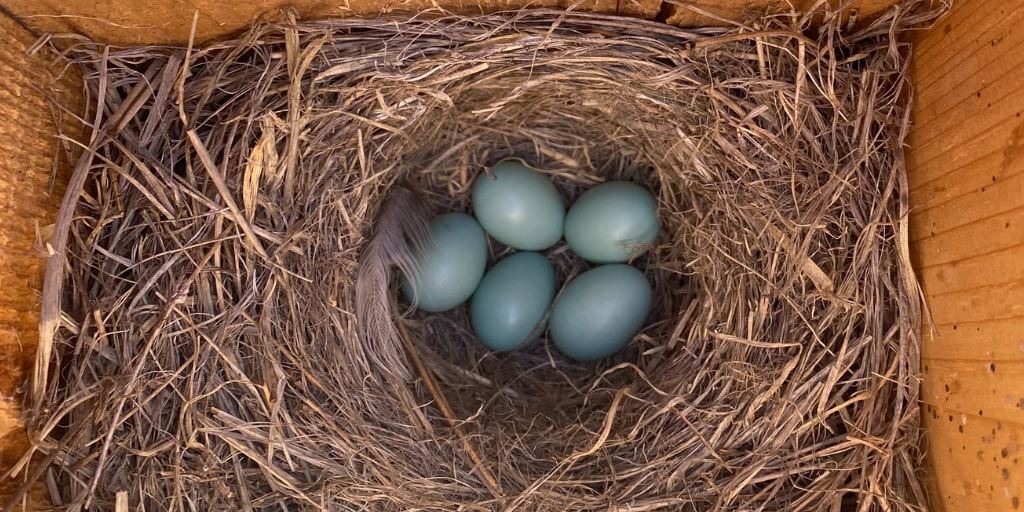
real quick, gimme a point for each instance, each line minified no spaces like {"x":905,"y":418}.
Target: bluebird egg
{"x":508,"y":306}
{"x":600,"y":311}
{"x":519,"y":206}
{"x":451,"y":268}
{"x":612,"y":222}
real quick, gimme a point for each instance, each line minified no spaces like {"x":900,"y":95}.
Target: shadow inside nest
{"x":530,"y":392}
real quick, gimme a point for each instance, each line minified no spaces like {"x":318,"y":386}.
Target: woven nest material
{"x":205,"y":351}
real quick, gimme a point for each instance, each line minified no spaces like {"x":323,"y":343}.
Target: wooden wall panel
{"x":133,"y":22}
{"x":28,"y":147}
{"x":966,"y":164}
{"x":129,"y":22}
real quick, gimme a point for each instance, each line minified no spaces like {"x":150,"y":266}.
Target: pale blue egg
{"x":511,"y":301}
{"x":451,"y":268}
{"x":600,"y":311}
{"x":612,"y":222}
{"x":519,"y":206}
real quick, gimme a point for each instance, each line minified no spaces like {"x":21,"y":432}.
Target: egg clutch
{"x":596,"y":314}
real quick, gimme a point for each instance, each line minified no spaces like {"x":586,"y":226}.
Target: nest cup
{"x":211,"y":355}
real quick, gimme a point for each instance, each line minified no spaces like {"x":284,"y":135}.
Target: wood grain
{"x":967,"y":179}
{"x":966,"y":166}
{"x":28,"y":147}
{"x":130,"y":22}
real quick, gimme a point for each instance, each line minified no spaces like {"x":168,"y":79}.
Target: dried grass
{"x":204,"y":350}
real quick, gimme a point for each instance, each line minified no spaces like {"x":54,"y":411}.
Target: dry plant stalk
{"x":207,"y":353}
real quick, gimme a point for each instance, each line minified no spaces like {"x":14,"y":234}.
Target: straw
{"x":207,"y":353}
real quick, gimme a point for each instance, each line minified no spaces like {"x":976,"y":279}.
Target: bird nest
{"x":201,"y":345}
